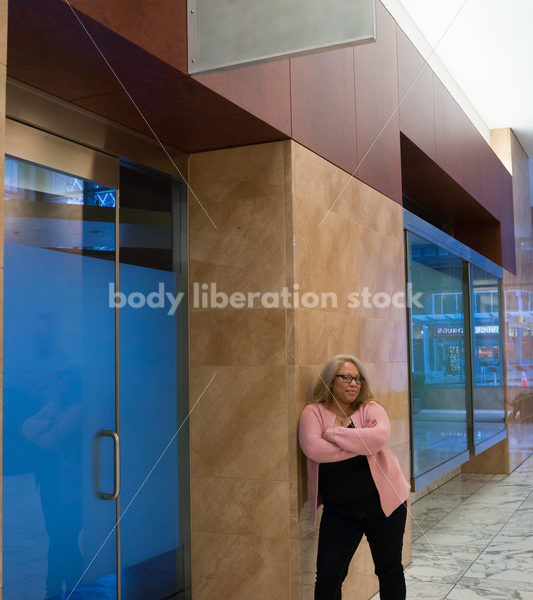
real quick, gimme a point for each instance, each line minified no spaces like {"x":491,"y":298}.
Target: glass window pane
{"x":437,"y":355}
{"x":487,"y":363}
{"x":150,"y":352}
{"x":58,"y":386}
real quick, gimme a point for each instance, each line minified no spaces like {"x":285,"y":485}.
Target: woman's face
{"x":345,"y":393}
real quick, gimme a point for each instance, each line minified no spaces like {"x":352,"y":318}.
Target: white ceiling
{"x":487,"y":47}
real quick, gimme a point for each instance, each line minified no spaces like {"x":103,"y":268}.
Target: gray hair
{"x":322,"y":390}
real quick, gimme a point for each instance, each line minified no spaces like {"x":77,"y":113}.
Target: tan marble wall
{"x":347,"y":236}
{"x":3,"y":71}
{"x":251,"y":537}
{"x":239,"y":427}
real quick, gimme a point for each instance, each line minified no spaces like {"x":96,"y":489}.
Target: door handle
{"x":96,"y":474}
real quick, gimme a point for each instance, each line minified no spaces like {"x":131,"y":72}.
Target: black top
{"x":347,"y":480}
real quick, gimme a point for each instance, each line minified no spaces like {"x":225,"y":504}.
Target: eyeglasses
{"x":348,"y":378}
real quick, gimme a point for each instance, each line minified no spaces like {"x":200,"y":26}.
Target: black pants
{"x":341,"y":529}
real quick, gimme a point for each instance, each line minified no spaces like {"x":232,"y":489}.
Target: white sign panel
{"x":227,"y":33}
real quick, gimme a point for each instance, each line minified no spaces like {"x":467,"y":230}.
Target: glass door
{"x":152,"y":321}
{"x":59,"y":507}
{"x":95,"y":448}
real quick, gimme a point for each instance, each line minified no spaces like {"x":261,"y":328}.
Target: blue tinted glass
{"x":45,"y":185}
{"x":151,"y":540}
{"x":58,"y":389}
{"x":437,"y":351}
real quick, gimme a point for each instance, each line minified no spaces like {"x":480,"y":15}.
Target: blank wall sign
{"x":227,"y":33}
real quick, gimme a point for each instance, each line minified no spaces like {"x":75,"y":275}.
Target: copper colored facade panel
{"x":323,"y":105}
{"x":263,"y":90}
{"x":449,"y":132}
{"x":158,"y":26}
{"x":381,"y":168}
{"x":52,"y":52}
{"x":417,"y":105}
{"x":185,"y":114}
{"x":376,"y":100}
{"x":459,"y":145}
{"x":485,"y":238}
{"x":497,"y":187}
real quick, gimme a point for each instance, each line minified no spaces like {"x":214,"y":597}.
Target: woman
{"x":351,"y":470}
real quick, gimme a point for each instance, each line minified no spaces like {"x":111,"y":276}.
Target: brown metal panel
{"x":497,"y":194}
{"x":376,"y":95}
{"x":459,"y":146}
{"x":158,"y":26}
{"x":184,"y":114}
{"x":263,"y":90}
{"x":49,"y":49}
{"x":417,"y":107}
{"x":448,"y":130}
{"x":430,"y":186}
{"x":485,"y":238}
{"x":508,"y":236}
{"x":68,"y":121}
{"x":493,"y":176}
{"x":323,"y":105}
{"x":471,"y":151}
{"x":484,"y":223}
{"x":381,"y":169}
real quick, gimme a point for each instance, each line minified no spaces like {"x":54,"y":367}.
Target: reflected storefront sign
{"x":478,"y":330}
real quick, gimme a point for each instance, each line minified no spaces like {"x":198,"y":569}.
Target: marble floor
{"x":473,"y":539}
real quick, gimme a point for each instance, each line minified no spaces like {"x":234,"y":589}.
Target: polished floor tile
{"x":473,"y":539}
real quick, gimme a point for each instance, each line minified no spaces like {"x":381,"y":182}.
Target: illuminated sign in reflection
{"x":478,"y":330}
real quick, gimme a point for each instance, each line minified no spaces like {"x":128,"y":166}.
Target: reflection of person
{"x":448,"y":368}
{"x":344,"y":435}
{"x":55,"y":432}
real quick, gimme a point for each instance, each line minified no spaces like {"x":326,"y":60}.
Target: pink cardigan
{"x":322,"y":442}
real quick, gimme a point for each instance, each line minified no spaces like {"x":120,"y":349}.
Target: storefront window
{"x":456,"y":357}
{"x":439,"y":420}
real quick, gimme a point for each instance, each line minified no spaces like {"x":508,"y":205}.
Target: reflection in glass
{"x":439,"y":424}
{"x":58,"y":384}
{"x":488,"y":392}
{"x":151,"y":541}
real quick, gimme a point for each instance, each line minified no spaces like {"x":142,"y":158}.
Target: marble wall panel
{"x":329,"y":256}
{"x":284,"y":217}
{"x":251,"y":506}
{"x":240,"y":567}
{"x":239,"y":436}
{"x":247,"y":406}
{"x":346,"y":235}
{"x":238,"y":214}
{"x":261,"y":340}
